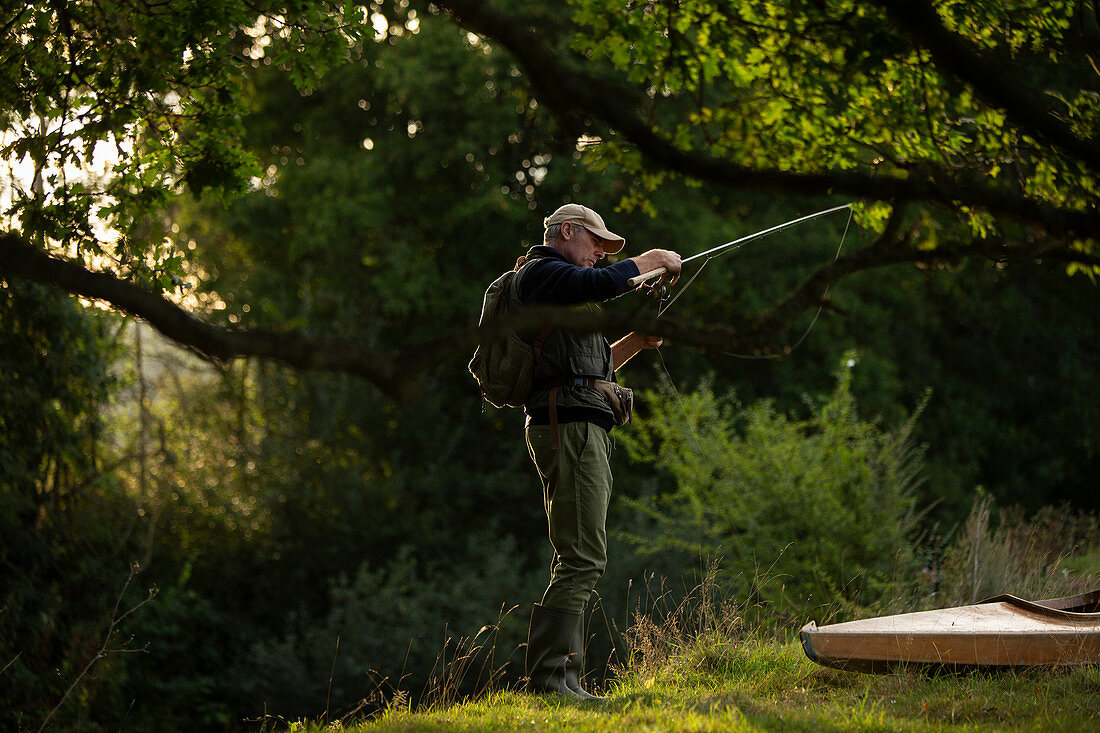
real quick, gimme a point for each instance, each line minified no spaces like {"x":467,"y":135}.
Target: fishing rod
{"x":639,"y":279}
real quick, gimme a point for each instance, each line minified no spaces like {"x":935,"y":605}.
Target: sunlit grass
{"x":771,"y":685}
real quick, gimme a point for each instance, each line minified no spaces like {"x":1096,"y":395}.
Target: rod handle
{"x":639,"y":279}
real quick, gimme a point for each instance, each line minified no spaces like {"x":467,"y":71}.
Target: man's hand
{"x":658,"y":258}
{"x":625,"y":348}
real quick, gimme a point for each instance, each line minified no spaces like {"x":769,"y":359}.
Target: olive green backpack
{"x":505,"y":368}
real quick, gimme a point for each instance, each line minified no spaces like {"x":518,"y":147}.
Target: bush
{"x":803,"y":513}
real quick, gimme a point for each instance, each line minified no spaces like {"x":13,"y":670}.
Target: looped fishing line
{"x":683,"y":408}
{"x":813,"y":322}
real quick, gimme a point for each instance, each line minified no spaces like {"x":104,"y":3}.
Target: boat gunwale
{"x":925,"y":635}
{"x":1054,"y":607}
{"x":1059,"y":624}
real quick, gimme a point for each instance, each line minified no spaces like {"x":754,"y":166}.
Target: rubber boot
{"x":554,"y":653}
{"x":573,"y":676}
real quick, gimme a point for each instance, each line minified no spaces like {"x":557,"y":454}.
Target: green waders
{"x":576,"y":483}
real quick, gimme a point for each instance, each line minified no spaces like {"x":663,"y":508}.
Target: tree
{"x":967,"y":129}
{"x":884,"y":101}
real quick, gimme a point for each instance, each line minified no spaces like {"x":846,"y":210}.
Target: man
{"x":568,"y":421}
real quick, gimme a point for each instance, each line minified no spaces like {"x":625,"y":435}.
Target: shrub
{"x":802,"y":512}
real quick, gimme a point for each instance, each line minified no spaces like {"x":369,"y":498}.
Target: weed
{"x":448,"y":678}
{"x":703,"y":618}
{"x":107,"y":647}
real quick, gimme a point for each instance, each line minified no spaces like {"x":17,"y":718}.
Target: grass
{"x":771,"y":685}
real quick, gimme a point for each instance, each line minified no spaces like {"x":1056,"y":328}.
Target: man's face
{"x":580,"y":246}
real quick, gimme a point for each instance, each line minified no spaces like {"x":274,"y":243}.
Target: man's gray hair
{"x":552,"y":233}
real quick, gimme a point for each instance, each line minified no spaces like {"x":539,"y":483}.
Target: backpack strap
{"x":536,"y":346}
{"x":555,"y":381}
{"x":550,"y":377}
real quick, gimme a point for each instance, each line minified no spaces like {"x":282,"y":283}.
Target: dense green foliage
{"x":803,"y":513}
{"x":145,"y":101}
{"x":65,"y":524}
{"x":847,"y":86}
{"x":308,"y":536}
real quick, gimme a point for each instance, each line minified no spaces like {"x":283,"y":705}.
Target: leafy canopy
{"x":111,"y":110}
{"x":985,"y":110}
{"x":875,"y":89}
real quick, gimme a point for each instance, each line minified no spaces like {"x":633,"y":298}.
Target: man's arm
{"x":629,"y":345}
{"x":555,"y":281}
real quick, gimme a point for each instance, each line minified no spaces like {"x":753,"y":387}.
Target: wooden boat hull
{"x":1000,"y":632}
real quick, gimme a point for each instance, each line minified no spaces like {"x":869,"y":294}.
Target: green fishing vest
{"x":569,"y":355}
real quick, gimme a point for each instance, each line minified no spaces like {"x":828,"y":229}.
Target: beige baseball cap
{"x":590,"y":220}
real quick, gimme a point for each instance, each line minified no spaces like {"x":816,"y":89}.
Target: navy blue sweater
{"x":557,"y":281}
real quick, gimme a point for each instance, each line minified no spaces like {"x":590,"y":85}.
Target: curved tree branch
{"x":573,"y":93}
{"x":395,"y":372}
{"x":392,"y":373}
{"x":887,"y":250}
{"x":21,"y":259}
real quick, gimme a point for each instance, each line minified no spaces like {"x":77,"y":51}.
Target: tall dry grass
{"x":668,"y":628}
{"x":450,"y":681}
{"x":1054,"y":553}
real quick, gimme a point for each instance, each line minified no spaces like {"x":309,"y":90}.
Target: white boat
{"x":1000,"y":632}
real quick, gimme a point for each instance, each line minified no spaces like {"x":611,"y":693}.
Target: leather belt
{"x":556,"y":383}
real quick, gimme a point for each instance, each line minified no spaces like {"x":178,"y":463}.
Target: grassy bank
{"x":762,"y":685}
{"x":706,"y":662}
